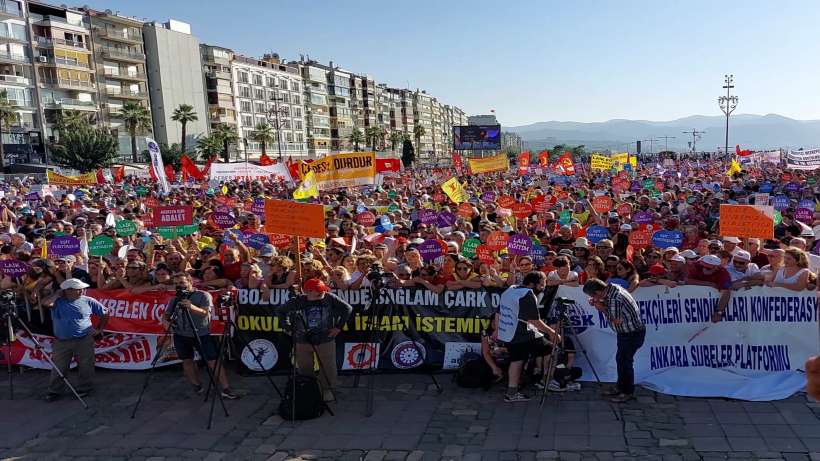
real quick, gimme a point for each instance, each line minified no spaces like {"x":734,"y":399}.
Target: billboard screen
{"x":477,"y":137}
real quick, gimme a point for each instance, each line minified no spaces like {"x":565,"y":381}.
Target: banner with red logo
{"x":564,"y":165}
{"x":388,"y":165}
{"x":544,"y":159}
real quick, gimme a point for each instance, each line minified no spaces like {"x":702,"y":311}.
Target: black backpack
{"x":310,"y":403}
{"x":474,"y":373}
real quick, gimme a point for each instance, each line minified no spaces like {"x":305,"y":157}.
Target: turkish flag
{"x":206,"y":170}
{"x":294,"y":170}
{"x":457,"y":163}
{"x":264,"y":160}
{"x":189,"y":169}
{"x":387,"y":164}
{"x":100,"y":177}
{"x":742,"y":153}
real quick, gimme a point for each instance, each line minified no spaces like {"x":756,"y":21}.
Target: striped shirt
{"x":621,"y":305}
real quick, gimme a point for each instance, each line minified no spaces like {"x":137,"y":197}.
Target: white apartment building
{"x":269,"y":92}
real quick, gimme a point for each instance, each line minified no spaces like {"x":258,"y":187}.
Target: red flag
{"x":457,"y":163}
{"x":152,"y":172}
{"x":523,"y":162}
{"x":169,"y":173}
{"x":118,"y":172}
{"x":564,"y":164}
{"x":742,"y":153}
{"x":206,"y":170}
{"x":387,"y":164}
{"x":100,"y":177}
{"x":189,"y":168}
{"x":264,"y":160}
{"x":544,"y":159}
{"x":294,"y":170}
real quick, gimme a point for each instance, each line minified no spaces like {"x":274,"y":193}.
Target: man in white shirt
{"x":814,"y":260}
{"x":743,"y":272}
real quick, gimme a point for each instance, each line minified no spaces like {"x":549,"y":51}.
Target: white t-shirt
{"x":553,"y":276}
{"x":736,"y":275}
{"x":814,"y":262}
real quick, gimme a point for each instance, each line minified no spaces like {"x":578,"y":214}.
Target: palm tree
{"x":184,"y":114}
{"x":209,"y":146}
{"x":372,"y":135}
{"x":356,"y":137}
{"x":227,"y":135}
{"x":263,"y":134}
{"x":8,"y":116}
{"x":137,"y":119}
{"x":395,"y":138}
{"x":71,"y":120}
{"x":418,"y":132}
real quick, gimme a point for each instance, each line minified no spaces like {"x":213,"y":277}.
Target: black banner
{"x":405,"y":329}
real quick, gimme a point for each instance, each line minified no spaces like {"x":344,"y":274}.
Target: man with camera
{"x":189,"y":315}
{"x":316,"y":317}
{"x":74,"y":334}
{"x":624,"y":317}
{"x":522,"y":330}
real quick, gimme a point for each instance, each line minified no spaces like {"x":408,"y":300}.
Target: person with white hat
{"x":74,"y":335}
{"x":708,"y":272}
{"x":744,"y":272}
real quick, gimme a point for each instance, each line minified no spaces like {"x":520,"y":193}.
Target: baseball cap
{"x":73,"y":284}
{"x":712,"y":260}
{"x":743,"y":255}
{"x":267,"y":251}
{"x":626,"y":227}
{"x":315,"y":285}
{"x":731,"y":239}
{"x":678,"y":258}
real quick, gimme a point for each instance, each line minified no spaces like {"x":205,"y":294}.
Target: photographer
{"x":316,"y":317}
{"x":74,"y":335}
{"x":199,"y":304}
{"x":521,"y":329}
{"x":624,"y":317}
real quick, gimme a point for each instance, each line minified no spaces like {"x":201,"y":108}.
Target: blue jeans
{"x":628,"y":345}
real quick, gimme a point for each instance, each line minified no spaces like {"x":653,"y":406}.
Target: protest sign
{"x":61,"y":180}
{"x":664,"y":239}
{"x":602,"y":204}
{"x":342,"y":170}
{"x":600,"y":162}
{"x":126,"y":228}
{"x":13,"y":268}
{"x":519,"y":245}
{"x":239,"y":170}
{"x":745,"y":221}
{"x":597,"y":233}
{"x":294,"y":218}
{"x":468,"y":248}
{"x":803,"y":159}
{"x":101,"y":245}
{"x":177,"y":215}
{"x":64,"y":246}
{"x":492,"y":164}
{"x":454,"y":190}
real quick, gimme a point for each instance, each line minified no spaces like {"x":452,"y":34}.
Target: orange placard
{"x":465,"y":210}
{"x":602,"y":203}
{"x":521,"y":210}
{"x":745,"y":221}
{"x":497,"y":240}
{"x":294,"y":218}
{"x":506,"y":201}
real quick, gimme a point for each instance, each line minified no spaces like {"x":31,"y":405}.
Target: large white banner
{"x":159,"y":166}
{"x":803,"y":159}
{"x":229,"y":171}
{"x":757,"y":352}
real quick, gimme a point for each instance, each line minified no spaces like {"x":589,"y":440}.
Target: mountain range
{"x":750,"y":131}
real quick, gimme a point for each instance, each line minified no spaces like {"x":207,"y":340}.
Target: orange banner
{"x":745,"y":221}
{"x":492,"y":164}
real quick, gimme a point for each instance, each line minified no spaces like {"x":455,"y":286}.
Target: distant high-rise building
{"x":482,"y":120}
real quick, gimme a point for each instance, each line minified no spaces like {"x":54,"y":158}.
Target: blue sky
{"x":539,"y":60}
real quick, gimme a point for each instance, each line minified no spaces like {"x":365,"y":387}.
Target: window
{"x":318,"y":100}
{"x":257,"y":79}
{"x":294,"y":86}
{"x":245,"y":106}
{"x":297,"y":99}
{"x":260,"y":108}
{"x":286,"y":97}
{"x":297,"y":124}
{"x":258,"y":93}
{"x":244,"y":92}
{"x":289,"y":137}
{"x":285,"y":124}
{"x":271,"y":82}
{"x":299,"y":137}
{"x":261,"y":121}
{"x":243,"y":77}
{"x":284,"y":111}
{"x":297,"y":112}
{"x":283,"y":83}
{"x":247,"y":120}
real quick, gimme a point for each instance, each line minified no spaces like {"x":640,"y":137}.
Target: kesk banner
{"x":229,"y":171}
{"x":756,"y":352}
{"x":600,"y":162}
{"x":492,"y":164}
{"x":342,"y":170}
{"x":803,"y":159}
{"x":61,"y":180}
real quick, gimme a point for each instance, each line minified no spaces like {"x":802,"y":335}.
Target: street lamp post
{"x":273,"y":119}
{"x":727,"y":104}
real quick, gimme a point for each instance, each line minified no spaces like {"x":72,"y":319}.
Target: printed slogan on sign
{"x":342,"y":170}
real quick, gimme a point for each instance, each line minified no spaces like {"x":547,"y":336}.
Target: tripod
{"x":231,"y":331}
{"x":375,"y":336}
{"x":563,"y":322}
{"x":10,"y":315}
{"x":161,"y":352}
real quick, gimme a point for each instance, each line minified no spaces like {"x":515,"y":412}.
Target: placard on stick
{"x":294,"y":218}
{"x":745,"y":221}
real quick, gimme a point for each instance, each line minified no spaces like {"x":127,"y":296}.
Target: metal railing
{"x":45,"y":41}
{"x":113,"y":33}
{"x":122,"y":54}
{"x":71,"y":102}
{"x":69,"y":83}
{"x":118,"y":74}
{"x":14,"y":79}
{"x":124,"y":93}
{"x":7,"y":55}
{"x":4,"y":9}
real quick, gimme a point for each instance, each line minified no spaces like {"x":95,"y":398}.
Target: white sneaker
{"x":555,"y":387}
{"x":574,"y":386}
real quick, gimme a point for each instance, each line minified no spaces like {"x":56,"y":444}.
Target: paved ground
{"x":411,"y":422}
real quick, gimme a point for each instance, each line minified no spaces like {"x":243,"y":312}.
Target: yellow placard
{"x":454,"y":190}
{"x":600,"y":162}
{"x":492,"y":164}
{"x":621,"y":159}
{"x":61,"y":180}
{"x":342,"y":170}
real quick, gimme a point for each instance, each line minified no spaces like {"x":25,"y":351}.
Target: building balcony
{"x":70,"y":84}
{"x":15,"y":79}
{"x":122,"y":55}
{"x":45,"y":42}
{"x":60,"y":23}
{"x":71,"y":104}
{"x":223,"y":119}
{"x":63,"y":62}
{"x":6,"y":56}
{"x":7,"y":12}
{"x":125,"y":94}
{"x":130,"y":76}
{"x":218,"y":75}
{"x":118,"y":35}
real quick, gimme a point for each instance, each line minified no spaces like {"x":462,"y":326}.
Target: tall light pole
{"x":666,"y":142}
{"x":273,"y":119}
{"x":727,"y":104}
{"x":695,"y":136}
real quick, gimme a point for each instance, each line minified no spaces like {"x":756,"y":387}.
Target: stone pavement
{"x":411,"y":422}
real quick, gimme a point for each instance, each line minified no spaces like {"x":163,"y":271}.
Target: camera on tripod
{"x":8,"y":300}
{"x":376,"y":275}
{"x":562,"y":305}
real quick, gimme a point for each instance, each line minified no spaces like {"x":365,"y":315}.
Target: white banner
{"x":159,"y":167}
{"x":757,"y":352}
{"x":229,"y":171}
{"x":803,"y":159}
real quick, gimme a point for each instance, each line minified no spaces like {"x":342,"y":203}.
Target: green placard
{"x":812,"y":180}
{"x":392,"y":194}
{"x":648,"y":183}
{"x":142,"y":191}
{"x":126,"y":228}
{"x":469,"y":246}
{"x":564,"y":217}
{"x":393,"y":208}
{"x":59,"y":234}
{"x":187,"y":229}
{"x":101,"y":245}
{"x":172,"y":232}
{"x":778,"y":218}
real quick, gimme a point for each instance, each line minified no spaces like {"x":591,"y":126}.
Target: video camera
{"x":376,"y":275}
{"x":8,"y":300}
{"x":183,"y":294}
{"x":562,"y":304}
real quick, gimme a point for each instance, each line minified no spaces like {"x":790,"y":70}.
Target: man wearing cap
{"x":743,"y":271}
{"x":66,"y":270}
{"x":74,"y":334}
{"x":708,"y":272}
{"x":316,"y":318}
{"x":730,"y":244}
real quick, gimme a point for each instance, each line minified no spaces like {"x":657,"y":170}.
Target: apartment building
{"x":119,"y":62}
{"x":268,"y":91}
{"x":216,"y":62}
{"x":317,"y":108}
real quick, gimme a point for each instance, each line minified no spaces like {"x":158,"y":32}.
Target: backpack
{"x":309,"y":400}
{"x":474,"y":373}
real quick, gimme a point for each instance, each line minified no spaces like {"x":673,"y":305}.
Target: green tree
{"x":557,"y":151}
{"x":418,"y":132}
{"x":373,"y":134}
{"x":85,"y":148}
{"x":137,"y":120}
{"x":263,"y":134}
{"x":70,"y":119}
{"x":356,"y":137}
{"x":209,"y":146}
{"x":184,"y":114}
{"x":8,"y":116}
{"x":395,"y":138}
{"x":408,"y":154}
{"x":227,"y":135}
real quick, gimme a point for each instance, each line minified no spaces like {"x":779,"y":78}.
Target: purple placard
{"x":242,"y":237}
{"x":223,"y":220}
{"x":643,"y":217}
{"x":636,"y":186}
{"x":64,"y":245}
{"x":222,"y":209}
{"x":791,"y":187}
{"x":257,"y":241}
{"x":430,"y":250}
{"x":428,"y":217}
{"x":519,"y":245}
{"x":32,"y":197}
{"x":446,"y":219}
{"x":780,"y":202}
{"x":258,"y":207}
{"x":804,"y":215}
{"x":13,"y":267}
{"x":806,"y":203}
{"x":597,"y":233}
{"x":488,"y":196}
